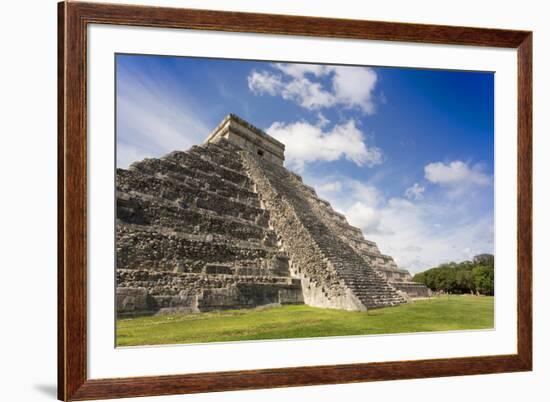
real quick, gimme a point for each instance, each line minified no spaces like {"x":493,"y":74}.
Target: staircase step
{"x":341,"y":258}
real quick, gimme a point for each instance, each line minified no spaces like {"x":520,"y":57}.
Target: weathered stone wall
{"x":334,"y":274}
{"x":141,"y":247}
{"x":147,"y":291}
{"x":412,"y":289}
{"x":192,"y":236}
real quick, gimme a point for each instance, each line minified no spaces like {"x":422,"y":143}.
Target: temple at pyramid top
{"x":245,"y":135}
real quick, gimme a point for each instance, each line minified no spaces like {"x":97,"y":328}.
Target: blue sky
{"x":405,"y":154}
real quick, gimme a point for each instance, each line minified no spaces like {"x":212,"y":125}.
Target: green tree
{"x":464,"y":277}
{"x":484,"y":280}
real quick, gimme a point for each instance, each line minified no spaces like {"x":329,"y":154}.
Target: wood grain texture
{"x":525,"y":201}
{"x":290,"y":377}
{"x":74,"y":18}
{"x":60,"y":202}
{"x":73,"y":193}
{"x":296,"y":25}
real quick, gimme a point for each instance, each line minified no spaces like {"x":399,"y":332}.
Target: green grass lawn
{"x":442,"y":313}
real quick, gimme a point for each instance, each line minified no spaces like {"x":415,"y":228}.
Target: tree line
{"x":475,"y":277}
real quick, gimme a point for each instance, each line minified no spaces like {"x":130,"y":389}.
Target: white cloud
{"x":455,"y":173}
{"x":420,"y":233}
{"x":307,"y":94}
{"x":415,"y":192}
{"x":301,"y":90}
{"x":363,"y":216}
{"x":306,"y":143}
{"x":360,"y":202}
{"x":154,"y":117}
{"x":365,"y":192}
{"x":299,"y":70}
{"x":322,"y":121}
{"x":330,"y":187}
{"x":353,"y":86}
{"x":261,"y":82}
{"x":406,"y":232}
{"x":350,"y":87}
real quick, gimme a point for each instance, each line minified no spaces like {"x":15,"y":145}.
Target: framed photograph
{"x":254,"y":201}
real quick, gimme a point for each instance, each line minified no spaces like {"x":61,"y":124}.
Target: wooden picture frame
{"x":73,"y":382}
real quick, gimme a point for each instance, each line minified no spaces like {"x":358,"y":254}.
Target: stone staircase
{"x":352,"y":283}
{"x":384,"y":265}
{"x":192,"y":236}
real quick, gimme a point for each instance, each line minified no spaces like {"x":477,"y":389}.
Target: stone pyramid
{"x":225,"y":225}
